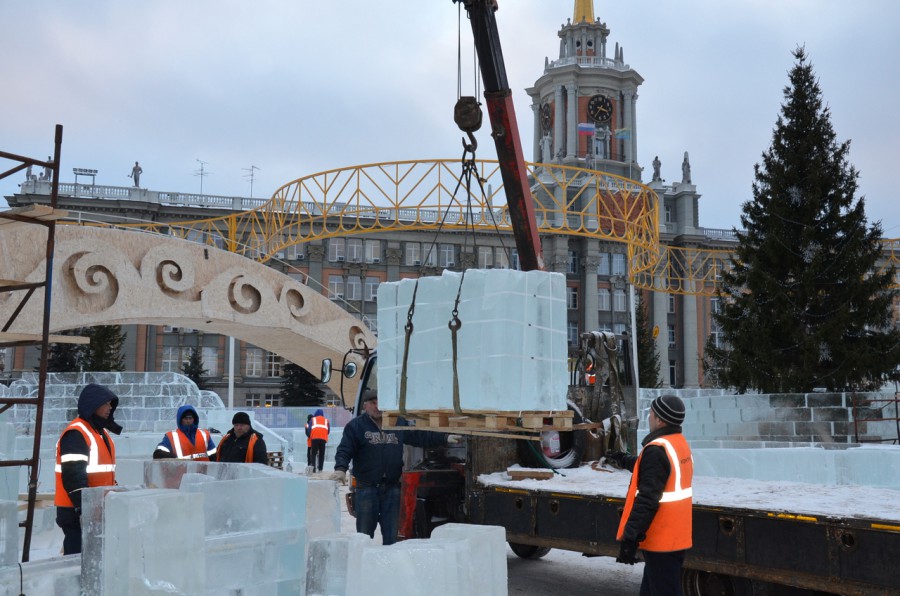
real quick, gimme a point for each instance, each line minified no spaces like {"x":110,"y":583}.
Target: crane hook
{"x":468,"y":116}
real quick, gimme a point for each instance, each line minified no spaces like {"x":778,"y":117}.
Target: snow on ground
{"x":777,"y":497}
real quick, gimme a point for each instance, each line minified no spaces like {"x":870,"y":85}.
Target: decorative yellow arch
{"x":431,"y":195}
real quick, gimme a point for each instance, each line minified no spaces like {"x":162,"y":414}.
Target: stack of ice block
{"x":487,"y":545}
{"x":512,"y":346}
{"x":457,"y":559}
{"x":153,"y":543}
{"x":334,"y":565}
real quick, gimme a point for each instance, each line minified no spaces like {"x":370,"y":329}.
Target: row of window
{"x":617,"y":301}
{"x":610,"y":263}
{"x":353,"y":287}
{"x":257,"y":362}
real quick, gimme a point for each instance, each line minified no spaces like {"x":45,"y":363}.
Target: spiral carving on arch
{"x":243,"y":296}
{"x":296,"y":304}
{"x":172,"y":276}
{"x":93,"y":277}
{"x":357,"y":337}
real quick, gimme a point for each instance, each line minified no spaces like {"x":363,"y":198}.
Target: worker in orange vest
{"x":85,"y":457}
{"x":317,"y":430}
{"x":188,"y":441}
{"x":310,"y":467}
{"x":658,"y":506}
{"x":242,"y":443}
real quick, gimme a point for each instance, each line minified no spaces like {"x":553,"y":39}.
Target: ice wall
{"x":512,"y":345}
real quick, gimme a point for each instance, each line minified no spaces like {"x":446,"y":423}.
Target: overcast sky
{"x":296,"y":88}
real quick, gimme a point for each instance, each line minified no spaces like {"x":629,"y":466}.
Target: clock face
{"x":546,"y":117}
{"x":600,"y":108}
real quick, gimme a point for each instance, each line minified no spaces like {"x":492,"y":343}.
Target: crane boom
{"x":505,"y":131}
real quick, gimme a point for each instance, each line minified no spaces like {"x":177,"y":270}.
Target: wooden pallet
{"x":483,"y":422}
{"x":276,"y":459}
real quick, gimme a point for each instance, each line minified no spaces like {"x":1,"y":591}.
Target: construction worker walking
{"x":317,"y":429}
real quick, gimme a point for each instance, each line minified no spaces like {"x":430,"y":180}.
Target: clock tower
{"x":584,"y":103}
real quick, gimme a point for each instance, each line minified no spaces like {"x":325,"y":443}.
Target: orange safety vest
{"x":672,"y":525}
{"x":319,"y":429}
{"x":101,"y":462}
{"x":185,"y":450}
{"x":248,"y":459}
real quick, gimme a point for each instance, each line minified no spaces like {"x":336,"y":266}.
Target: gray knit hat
{"x":669,"y":409}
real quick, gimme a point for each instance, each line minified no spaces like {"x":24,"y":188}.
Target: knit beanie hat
{"x":669,"y":409}
{"x":241,"y":418}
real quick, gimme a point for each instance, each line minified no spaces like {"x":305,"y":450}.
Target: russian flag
{"x":586,"y":128}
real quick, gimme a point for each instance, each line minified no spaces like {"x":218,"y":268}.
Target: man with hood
{"x":317,"y":429}
{"x":85,"y":457}
{"x":188,"y":441}
{"x":242,"y":444}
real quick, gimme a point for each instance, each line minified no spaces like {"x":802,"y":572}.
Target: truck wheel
{"x":702,"y":583}
{"x":528,"y":551}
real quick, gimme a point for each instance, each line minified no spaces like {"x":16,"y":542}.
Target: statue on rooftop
{"x":686,"y":170}
{"x":656,"y":165}
{"x":136,"y":172}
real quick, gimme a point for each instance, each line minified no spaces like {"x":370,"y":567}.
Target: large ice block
{"x":512,"y":345}
{"x":323,"y":508}
{"x":153,"y":543}
{"x":255,"y":529}
{"x":402,"y":569}
{"x":487,"y":545}
{"x":334,"y":565}
{"x":9,"y":533}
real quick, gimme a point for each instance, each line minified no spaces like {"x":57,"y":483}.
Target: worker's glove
{"x":615,"y":458}
{"x":454,"y":440}
{"x":628,"y":552}
{"x":339,"y":477}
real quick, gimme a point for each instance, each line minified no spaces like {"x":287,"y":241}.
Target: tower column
{"x":628,"y":123}
{"x":572,"y":121}
{"x":559,"y":122}
{"x":660,"y":318}
{"x":536,"y":141}
{"x":690,"y":351}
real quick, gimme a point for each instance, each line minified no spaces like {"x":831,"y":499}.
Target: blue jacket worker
{"x":377,"y":457}
{"x":188,"y":441}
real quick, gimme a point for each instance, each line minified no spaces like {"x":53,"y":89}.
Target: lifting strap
{"x":409,"y":329}
{"x":454,"y":326}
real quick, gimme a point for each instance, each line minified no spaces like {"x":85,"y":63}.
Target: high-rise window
{"x":619,"y":301}
{"x":618,"y":264}
{"x":253,"y":362}
{"x":354,"y":250}
{"x":371,"y":290}
{"x":354,"y":288}
{"x":448,"y":255}
{"x":273,"y":364}
{"x":572,"y":262}
{"x":671,"y":328}
{"x":413,"y":253}
{"x":603,"y":265}
{"x":603,"y":299}
{"x":210,"y":357}
{"x":335,"y":287}
{"x":501,"y":259}
{"x":373,"y":251}
{"x":572,"y":332}
{"x":671,"y":303}
{"x":572,"y":298}
{"x":485,"y":257}
{"x":337,"y":249}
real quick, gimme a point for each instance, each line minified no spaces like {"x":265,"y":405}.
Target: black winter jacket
{"x":377,"y":455}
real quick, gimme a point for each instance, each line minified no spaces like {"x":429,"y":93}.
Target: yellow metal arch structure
{"x":432,"y":195}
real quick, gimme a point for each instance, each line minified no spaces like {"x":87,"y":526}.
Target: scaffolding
{"x":45,"y":217}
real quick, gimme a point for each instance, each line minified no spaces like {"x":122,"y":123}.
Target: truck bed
{"x":840,"y":539}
